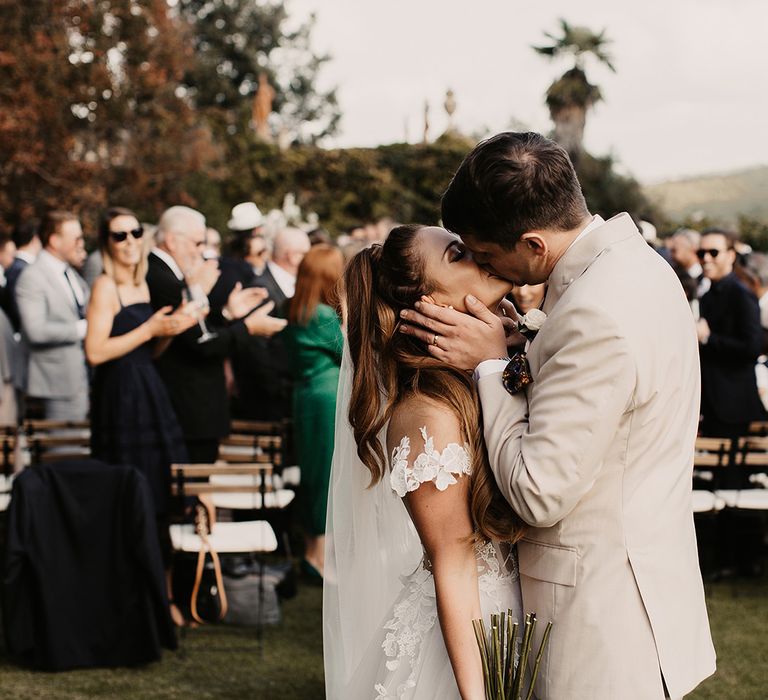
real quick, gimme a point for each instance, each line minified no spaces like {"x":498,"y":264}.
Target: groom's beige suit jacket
{"x":597,"y":457}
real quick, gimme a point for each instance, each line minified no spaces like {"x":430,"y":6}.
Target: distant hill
{"x":721,"y":197}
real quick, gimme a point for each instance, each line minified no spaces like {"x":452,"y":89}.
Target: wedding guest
{"x":193,"y":369}
{"x":525,"y":297}
{"x":257,"y":254}
{"x":246,"y":221}
{"x":682,"y":246}
{"x":212,"y":244}
{"x":51,"y":298}
{"x":755,"y":276}
{"x":93,"y":267}
{"x":261,"y":367}
{"x":9,"y":350}
{"x":756,"y":271}
{"x":730,"y":341}
{"x":319,"y":235}
{"x":27,"y":247}
{"x":10,"y":354}
{"x":7,"y":256}
{"x":132,"y":420}
{"x":528,"y":296}
{"x":314,"y":344}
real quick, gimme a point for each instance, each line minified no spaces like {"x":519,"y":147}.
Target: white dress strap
{"x":441,"y":468}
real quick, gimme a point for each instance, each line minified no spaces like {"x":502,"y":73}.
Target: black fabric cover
{"x":83,"y":583}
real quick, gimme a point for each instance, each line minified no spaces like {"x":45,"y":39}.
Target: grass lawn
{"x":221,"y":662}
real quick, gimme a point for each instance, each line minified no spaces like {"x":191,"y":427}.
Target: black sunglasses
{"x":120,"y":236}
{"x":701,"y":253}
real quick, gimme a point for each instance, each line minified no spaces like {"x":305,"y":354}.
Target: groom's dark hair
{"x":512,"y":183}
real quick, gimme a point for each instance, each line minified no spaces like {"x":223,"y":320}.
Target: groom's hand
{"x":459,"y":339}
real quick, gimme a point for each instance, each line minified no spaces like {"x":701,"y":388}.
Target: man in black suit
{"x":193,"y":371}
{"x":263,"y":375}
{"x":27,"y":247}
{"x":730,"y":341}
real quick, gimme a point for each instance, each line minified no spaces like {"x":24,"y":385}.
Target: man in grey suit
{"x":51,"y":298}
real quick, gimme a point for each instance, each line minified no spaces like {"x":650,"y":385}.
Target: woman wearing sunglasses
{"x":132,"y":420}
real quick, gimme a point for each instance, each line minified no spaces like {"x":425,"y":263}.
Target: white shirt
{"x":62,"y":271}
{"x":168,"y":259}
{"x":487,"y":367}
{"x":27,"y":257}
{"x":285,"y":280}
{"x":695,"y":271}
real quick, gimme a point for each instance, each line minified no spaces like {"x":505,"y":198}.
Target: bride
{"x":420,"y":540}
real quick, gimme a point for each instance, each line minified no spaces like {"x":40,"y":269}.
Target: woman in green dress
{"x":314,"y":343}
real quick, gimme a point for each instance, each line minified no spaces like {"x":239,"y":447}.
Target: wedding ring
{"x":434,"y":340}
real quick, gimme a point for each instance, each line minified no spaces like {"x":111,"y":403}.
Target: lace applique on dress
{"x":413,"y":616}
{"x":441,"y":468}
{"x":416,"y":612}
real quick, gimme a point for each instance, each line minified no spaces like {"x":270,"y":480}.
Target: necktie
{"x":78,"y":305}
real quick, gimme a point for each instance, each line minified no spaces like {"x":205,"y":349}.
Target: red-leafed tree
{"x":91,"y":107}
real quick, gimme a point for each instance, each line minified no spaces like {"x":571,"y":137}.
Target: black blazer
{"x":262,"y":371}
{"x":194,"y":372}
{"x":12,"y":276}
{"x":728,"y":384}
{"x":232,"y":271}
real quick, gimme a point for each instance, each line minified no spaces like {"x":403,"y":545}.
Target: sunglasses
{"x":120,"y":236}
{"x":701,"y":253}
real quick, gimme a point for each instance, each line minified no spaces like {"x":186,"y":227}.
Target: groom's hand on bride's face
{"x":461,"y":340}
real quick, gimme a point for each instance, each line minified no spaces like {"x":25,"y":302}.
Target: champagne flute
{"x":195,"y":295}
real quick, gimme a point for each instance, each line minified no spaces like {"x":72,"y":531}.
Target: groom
{"x":596,"y":453}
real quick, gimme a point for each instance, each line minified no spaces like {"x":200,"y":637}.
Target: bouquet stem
{"x":504,"y":666}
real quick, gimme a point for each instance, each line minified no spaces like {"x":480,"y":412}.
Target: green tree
{"x":236,"y":40}
{"x":570,"y":97}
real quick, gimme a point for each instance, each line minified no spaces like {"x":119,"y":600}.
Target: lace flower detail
{"x":441,"y":468}
{"x":412,"y":618}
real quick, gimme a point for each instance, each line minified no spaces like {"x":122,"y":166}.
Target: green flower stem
{"x":539,"y":657}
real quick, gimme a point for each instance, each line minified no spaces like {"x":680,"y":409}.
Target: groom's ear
{"x":535,"y":242}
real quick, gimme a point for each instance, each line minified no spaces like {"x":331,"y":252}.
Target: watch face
{"x":517,"y":374}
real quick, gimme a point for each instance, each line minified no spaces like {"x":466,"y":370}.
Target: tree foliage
{"x":570,"y":96}
{"x":90,"y":108}
{"x":234,"y":41}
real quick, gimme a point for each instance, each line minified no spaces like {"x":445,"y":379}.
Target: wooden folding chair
{"x":249,"y":537}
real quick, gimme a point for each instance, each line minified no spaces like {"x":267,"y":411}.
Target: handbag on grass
{"x":208,"y":602}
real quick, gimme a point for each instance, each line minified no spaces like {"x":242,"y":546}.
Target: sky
{"x":690,"y":95}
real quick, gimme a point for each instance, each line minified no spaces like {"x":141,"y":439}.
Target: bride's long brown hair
{"x":388,"y":366}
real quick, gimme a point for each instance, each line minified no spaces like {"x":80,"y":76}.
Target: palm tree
{"x":571,"y":95}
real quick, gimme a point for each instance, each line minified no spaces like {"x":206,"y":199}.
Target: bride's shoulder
{"x":413,"y":414}
{"x":425,"y":443}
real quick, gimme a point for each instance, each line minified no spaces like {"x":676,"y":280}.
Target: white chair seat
{"x":706,"y":502}
{"x":249,"y":501}
{"x":292,"y":476}
{"x":254,"y":536}
{"x":5,"y":501}
{"x":729,"y":496}
{"x":245,"y":500}
{"x":6,"y":482}
{"x":748,"y":499}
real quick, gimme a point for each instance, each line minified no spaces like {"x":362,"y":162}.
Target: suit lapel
{"x":577,"y":259}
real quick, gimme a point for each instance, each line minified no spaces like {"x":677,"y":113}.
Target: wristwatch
{"x":517,"y":373}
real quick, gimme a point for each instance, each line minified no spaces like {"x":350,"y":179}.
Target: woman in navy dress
{"x":132,"y":420}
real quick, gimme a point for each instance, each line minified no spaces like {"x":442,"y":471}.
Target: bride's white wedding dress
{"x":382,"y":636}
{"x":413,"y":659}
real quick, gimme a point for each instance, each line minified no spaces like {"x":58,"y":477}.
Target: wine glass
{"x":195,"y":295}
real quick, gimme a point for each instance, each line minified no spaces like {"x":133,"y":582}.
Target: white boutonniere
{"x":530,"y":324}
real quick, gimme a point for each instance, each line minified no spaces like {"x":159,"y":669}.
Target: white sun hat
{"x":245,"y":216}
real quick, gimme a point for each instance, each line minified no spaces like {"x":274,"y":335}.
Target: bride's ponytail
{"x":369,"y":324}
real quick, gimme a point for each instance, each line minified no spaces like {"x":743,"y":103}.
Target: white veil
{"x":370,"y":543}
